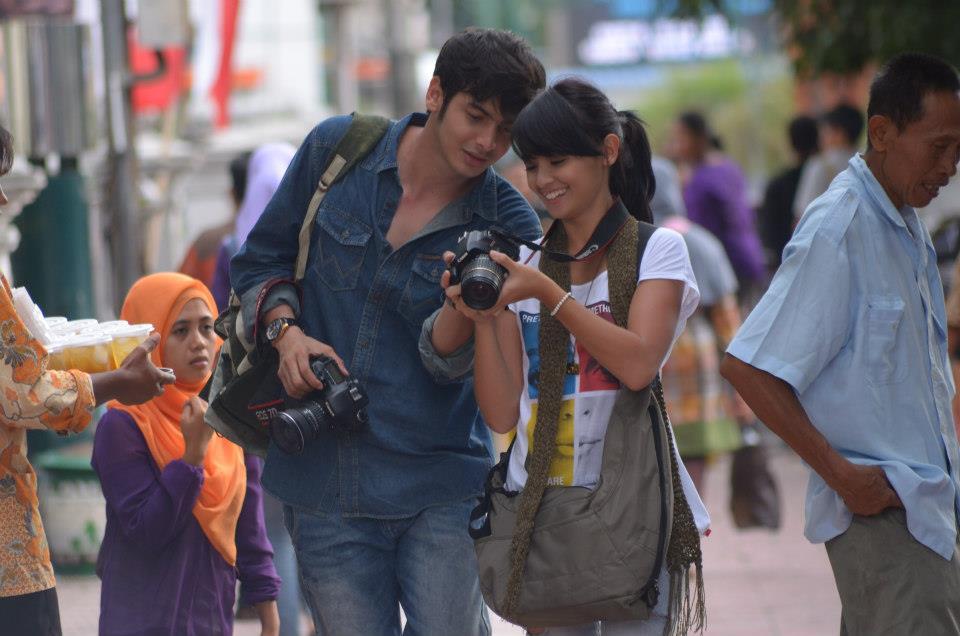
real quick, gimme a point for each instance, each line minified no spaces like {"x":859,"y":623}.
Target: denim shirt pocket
{"x":884,"y":315}
{"x":341,"y":244}
{"x":422,"y":294}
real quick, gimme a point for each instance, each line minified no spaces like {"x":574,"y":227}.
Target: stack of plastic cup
{"x":72,"y":327}
{"x":55,"y":356}
{"x":90,"y":352}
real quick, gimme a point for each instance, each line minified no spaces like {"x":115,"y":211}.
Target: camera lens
{"x":293,"y":428}
{"x":481,"y":282}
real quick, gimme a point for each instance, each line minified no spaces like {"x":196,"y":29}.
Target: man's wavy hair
{"x":489,"y":64}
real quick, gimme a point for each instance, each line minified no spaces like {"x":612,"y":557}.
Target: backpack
{"x":594,"y":554}
{"x":245,"y":392}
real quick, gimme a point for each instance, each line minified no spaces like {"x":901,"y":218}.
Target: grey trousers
{"x":892,"y":585}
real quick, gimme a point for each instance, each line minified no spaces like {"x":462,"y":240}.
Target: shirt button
{"x":363,"y":344}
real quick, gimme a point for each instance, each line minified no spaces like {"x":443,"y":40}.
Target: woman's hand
{"x":522,"y":282}
{"x":525,"y":282}
{"x":196,"y":433}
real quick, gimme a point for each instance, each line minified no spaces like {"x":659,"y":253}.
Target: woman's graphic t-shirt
{"x":589,"y":389}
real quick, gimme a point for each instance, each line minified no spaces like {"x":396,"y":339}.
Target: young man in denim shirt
{"x":845,"y":357}
{"x":379,"y":518}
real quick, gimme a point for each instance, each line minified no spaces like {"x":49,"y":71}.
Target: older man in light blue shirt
{"x":845,"y":357}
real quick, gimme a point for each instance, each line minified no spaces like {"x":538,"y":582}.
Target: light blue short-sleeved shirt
{"x":854,"y":320}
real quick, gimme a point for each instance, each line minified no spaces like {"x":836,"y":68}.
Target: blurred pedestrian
{"x":200,"y":261}
{"x":775,"y":218}
{"x":715,"y":193}
{"x":32,"y":396}
{"x":840,"y":130}
{"x":265,"y":168}
{"x":845,"y":358}
{"x":184,"y":515}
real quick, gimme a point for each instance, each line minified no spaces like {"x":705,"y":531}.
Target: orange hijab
{"x":159,"y":299}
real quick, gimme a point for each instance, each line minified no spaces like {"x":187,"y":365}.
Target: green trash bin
{"x":72,"y":507}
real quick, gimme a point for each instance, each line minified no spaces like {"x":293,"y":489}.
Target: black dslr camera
{"x":480,"y":277}
{"x":339,"y":406}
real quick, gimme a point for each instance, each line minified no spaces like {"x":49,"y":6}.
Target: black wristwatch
{"x":278,"y":327}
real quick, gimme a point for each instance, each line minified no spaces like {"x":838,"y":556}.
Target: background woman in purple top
{"x":715,"y":192}
{"x":184,"y":514}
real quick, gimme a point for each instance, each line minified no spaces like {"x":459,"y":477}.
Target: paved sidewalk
{"x":758,"y":583}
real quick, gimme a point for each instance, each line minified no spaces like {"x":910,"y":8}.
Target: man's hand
{"x":196,"y":433}
{"x":136,"y":380}
{"x":866,"y":491}
{"x":295,"y":349}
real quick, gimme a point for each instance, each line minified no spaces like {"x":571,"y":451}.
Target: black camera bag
{"x":245,"y":392}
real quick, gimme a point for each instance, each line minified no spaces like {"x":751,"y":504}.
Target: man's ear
{"x":434,"y":101}
{"x":881,"y":131}
{"x":611,"y":149}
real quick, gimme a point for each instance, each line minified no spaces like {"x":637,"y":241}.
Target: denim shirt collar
{"x":481,"y":199}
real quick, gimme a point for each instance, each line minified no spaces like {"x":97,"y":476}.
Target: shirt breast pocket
{"x":341,"y":245}
{"x":422,"y":294}
{"x":884,"y":365}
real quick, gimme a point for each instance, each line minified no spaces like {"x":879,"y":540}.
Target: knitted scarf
{"x":684,"y":542}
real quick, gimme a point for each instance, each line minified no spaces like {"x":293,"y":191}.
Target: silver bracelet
{"x":560,"y":304}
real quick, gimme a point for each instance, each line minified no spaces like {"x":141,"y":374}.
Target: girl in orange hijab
{"x":183,"y":506}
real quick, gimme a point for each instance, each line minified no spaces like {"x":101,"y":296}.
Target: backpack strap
{"x":364,"y":133}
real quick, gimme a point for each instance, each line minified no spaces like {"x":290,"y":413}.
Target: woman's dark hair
{"x":489,"y":64}
{"x":572,"y":118}
{"x":238,"y":175}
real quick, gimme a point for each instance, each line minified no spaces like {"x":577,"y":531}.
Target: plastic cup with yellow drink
{"x":126,"y":339}
{"x":91,"y":353}
{"x":56,"y":359}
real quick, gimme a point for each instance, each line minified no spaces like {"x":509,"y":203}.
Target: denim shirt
{"x":425,"y":443}
{"x":854,"y":320}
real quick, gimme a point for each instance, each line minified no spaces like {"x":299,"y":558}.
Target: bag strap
{"x":364,"y":133}
{"x":644,"y":232}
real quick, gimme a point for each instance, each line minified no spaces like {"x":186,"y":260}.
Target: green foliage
{"x":844,"y":36}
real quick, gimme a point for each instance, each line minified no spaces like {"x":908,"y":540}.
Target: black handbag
{"x":245,"y":392}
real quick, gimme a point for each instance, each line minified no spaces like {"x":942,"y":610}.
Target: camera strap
{"x":607,"y":230}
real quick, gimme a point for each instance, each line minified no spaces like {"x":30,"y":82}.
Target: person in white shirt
{"x":589,"y":164}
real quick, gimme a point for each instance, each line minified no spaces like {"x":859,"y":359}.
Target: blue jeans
{"x":356,"y":573}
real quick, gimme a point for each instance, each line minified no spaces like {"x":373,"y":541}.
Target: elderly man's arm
{"x":864,"y":489}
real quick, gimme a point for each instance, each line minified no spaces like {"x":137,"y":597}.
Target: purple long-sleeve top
{"x":716,"y":198}
{"x":160,"y":574}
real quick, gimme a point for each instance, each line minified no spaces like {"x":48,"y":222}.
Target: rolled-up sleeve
{"x":805,"y":318}
{"x":444,"y":369}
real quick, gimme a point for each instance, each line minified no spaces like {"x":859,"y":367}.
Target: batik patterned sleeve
{"x":31,"y":396}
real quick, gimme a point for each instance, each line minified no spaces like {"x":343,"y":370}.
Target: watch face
{"x":273,"y":329}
